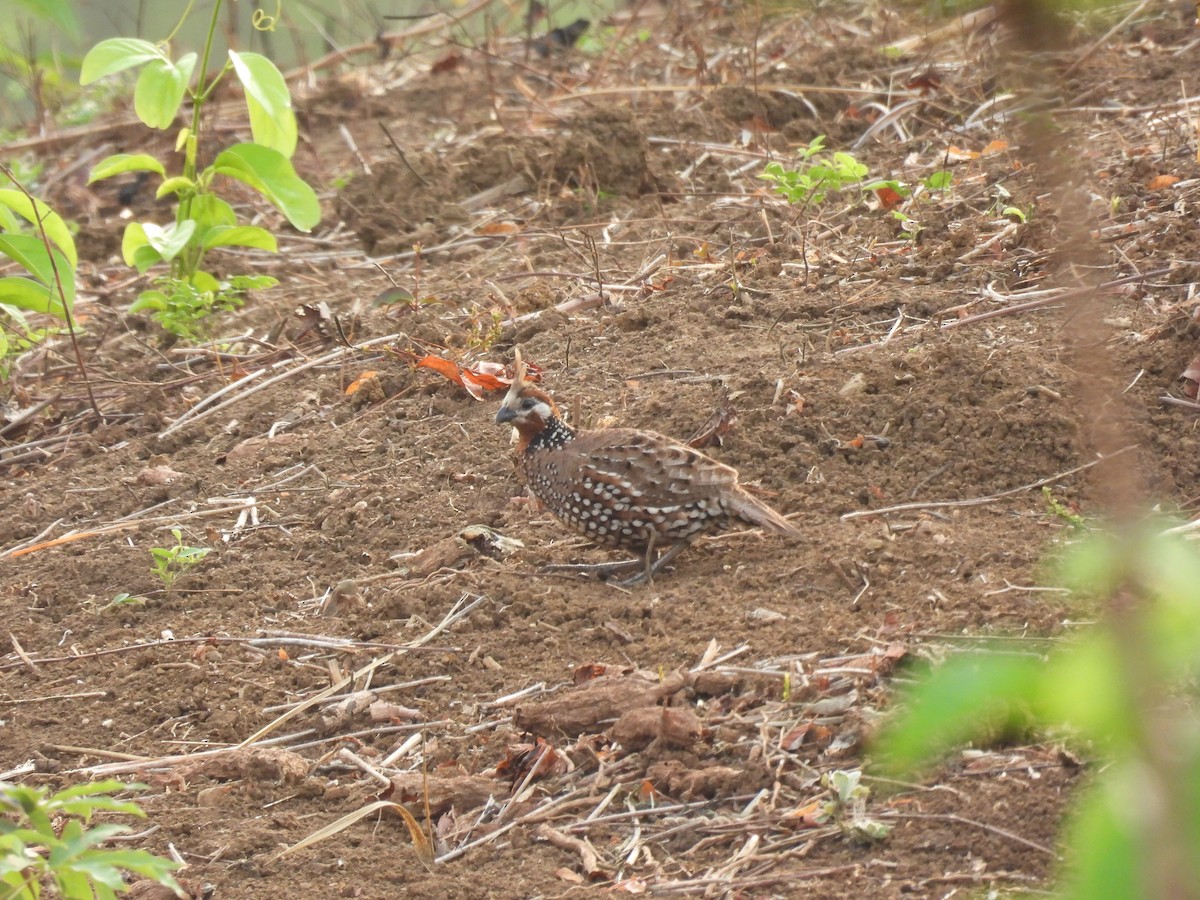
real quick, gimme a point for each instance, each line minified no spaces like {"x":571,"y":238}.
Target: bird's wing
{"x":650,"y":468}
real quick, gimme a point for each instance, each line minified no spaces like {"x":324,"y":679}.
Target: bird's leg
{"x":650,"y":570}
{"x":651,"y":562}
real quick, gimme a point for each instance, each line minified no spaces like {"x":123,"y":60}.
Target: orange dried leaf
{"x":283,"y":655}
{"x":806,"y":816}
{"x":589,"y":671}
{"x":499,"y":228}
{"x":485,"y":376}
{"x":957,"y":153}
{"x":995,"y":147}
{"x":857,"y":441}
{"x":1161,"y":182}
{"x":356,"y":385}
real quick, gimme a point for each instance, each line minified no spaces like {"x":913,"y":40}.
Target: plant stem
{"x":192,"y":144}
{"x":62,"y":296}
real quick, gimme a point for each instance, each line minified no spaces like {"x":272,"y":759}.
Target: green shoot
{"x":171,"y":562}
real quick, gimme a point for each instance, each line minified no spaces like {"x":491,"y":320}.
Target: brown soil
{"x":849,"y":395}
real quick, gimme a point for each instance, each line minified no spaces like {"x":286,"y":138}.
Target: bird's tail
{"x":753,"y":511}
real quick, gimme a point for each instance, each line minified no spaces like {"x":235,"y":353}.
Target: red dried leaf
{"x":590,"y":671}
{"x":447,"y":63}
{"x":485,"y":376}
{"x":1161,"y":182}
{"x":889,"y":198}
{"x":530,"y":761}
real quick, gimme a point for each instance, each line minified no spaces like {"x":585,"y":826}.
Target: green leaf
{"x":160,"y":89}
{"x":204,"y":282}
{"x":176,"y":185}
{"x":115,"y":55}
{"x":968,"y":692}
{"x":169,"y":241}
{"x":239,"y":236}
{"x":252,"y":282}
{"x":60,"y":12}
{"x":125,"y":162}
{"x":271,"y":174}
{"x":56,"y":228}
{"x":149,"y":300}
{"x":272,"y":121}
{"x":209,"y":210}
{"x":133,"y":239}
{"x":1083,"y":689}
{"x":939,"y":181}
{"x":144,"y":257}
{"x":1103,"y":860}
{"x":26,"y":293}
{"x":30,"y":252}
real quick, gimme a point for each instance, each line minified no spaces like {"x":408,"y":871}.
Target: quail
{"x":626,"y":489}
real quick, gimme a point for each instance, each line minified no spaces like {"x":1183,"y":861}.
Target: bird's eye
{"x":529,"y":403}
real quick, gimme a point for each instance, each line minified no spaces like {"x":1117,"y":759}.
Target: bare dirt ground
{"x":684,"y":725}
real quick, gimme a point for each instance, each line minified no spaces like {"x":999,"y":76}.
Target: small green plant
{"x":47,"y":255}
{"x":1062,"y":511}
{"x":818,"y":175}
{"x":36,"y":238}
{"x":847,"y":806}
{"x":187,"y":292}
{"x":1125,"y":689}
{"x":171,"y":562}
{"x":45,"y":839}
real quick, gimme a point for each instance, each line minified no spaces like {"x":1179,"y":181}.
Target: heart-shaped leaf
{"x":115,"y":55}
{"x":271,"y":174}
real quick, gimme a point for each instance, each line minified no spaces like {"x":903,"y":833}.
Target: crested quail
{"x":632,"y":490}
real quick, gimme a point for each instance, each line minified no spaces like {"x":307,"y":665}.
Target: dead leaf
{"x":1161,"y":182}
{"x":674,"y":726}
{"x":484,"y":376}
{"x":530,"y":761}
{"x":995,"y":147}
{"x":958,"y":154}
{"x":713,"y":431}
{"x":155,"y":475}
{"x":499,"y":228}
{"x":356,"y":385}
{"x":1191,"y":378}
{"x":589,"y":671}
{"x":889,"y":198}
{"x":806,"y":816}
{"x":447,"y":63}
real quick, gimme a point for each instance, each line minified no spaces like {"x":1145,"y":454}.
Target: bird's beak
{"x":505,"y":415}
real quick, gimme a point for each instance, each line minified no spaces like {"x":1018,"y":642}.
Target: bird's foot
{"x":597,"y":570}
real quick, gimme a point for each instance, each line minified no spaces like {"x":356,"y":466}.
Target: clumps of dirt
{"x":400,"y":204}
{"x":605,"y":149}
{"x":422,"y":198}
{"x":745,"y":107}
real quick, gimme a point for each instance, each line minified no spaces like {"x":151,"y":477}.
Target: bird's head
{"x":527,"y":408}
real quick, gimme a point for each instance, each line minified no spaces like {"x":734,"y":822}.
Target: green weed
{"x":188,"y":293}
{"x":45,"y":839}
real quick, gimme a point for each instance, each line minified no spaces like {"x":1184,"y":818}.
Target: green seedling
{"x":171,"y":562}
{"x":1062,"y":511}
{"x":818,"y":175}
{"x":47,"y":843}
{"x":847,"y":806}
{"x":187,"y":292}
